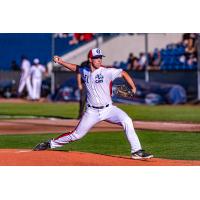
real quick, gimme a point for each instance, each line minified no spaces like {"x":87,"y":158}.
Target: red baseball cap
{"x":95,"y":53}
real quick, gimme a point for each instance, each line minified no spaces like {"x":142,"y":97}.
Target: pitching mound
{"x":25,"y":157}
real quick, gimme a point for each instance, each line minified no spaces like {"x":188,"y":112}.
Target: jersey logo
{"x":85,"y":78}
{"x":99,"y":78}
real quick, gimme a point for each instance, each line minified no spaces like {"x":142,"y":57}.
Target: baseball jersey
{"x":37,"y":72}
{"x":26,"y":66}
{"x":98,"y":84}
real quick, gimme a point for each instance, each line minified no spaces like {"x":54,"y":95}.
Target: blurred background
{"x":165,"y":67}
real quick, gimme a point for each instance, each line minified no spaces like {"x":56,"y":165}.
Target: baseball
{"x":56,"y":59}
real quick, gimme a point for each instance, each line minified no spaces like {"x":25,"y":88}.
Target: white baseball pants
{"x":25,"y":81}
{"x":92,"y":116}
{"x":37,"y":82}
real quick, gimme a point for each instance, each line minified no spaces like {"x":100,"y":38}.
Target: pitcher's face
{"x":96,"y":62}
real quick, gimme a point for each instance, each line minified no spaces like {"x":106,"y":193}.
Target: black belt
{"x":100,"y":107}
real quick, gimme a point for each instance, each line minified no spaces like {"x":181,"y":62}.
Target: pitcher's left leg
{"x":118,"y":116}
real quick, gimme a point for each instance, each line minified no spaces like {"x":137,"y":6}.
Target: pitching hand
{"x":57,"y":59}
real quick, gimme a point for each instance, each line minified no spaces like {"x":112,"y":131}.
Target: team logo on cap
{"x":98,"y":51}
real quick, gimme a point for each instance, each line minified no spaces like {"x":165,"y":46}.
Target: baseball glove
{"x":123,"y":91}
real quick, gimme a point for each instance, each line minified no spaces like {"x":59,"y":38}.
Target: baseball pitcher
{"x":98,"y":80}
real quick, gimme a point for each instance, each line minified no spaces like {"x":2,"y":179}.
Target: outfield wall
{"x":187,"y":79}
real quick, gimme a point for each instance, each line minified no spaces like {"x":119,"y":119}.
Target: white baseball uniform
{"x":25,"y":77}
{"x":99,"y":108}
{"x":36,"y":73}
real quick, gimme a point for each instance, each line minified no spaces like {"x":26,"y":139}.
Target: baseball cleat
{"x":141,"y":155}
{"x":42,"y":146}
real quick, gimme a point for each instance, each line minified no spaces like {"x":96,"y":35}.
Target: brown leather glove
{"x":123,"y":91}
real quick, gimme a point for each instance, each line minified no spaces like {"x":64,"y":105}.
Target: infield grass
{"x":173,"y":145}
{"x":184,"y":113}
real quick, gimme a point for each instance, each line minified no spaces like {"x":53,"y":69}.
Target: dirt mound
{"x":25,"y":157}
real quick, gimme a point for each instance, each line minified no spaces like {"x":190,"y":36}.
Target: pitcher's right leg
{"x":89,"y":119}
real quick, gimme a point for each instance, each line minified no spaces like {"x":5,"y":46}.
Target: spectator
{"x":186,"y":36}
{"x":136,"y":64}
{"x":142,"y":61}
{"x":190,"y":48}
{"x":130,"y":61}
{"x":156,"y":60}
{"x":78,"y":37}
{"x":75,"y":39}
{"x":150,"y":58}
{"x":182,"y":55}
{"x":87,"y":36}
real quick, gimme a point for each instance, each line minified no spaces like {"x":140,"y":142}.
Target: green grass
{"x":62,"y":110}
{"x":173,"y":145}
{"x":187,"y":113}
